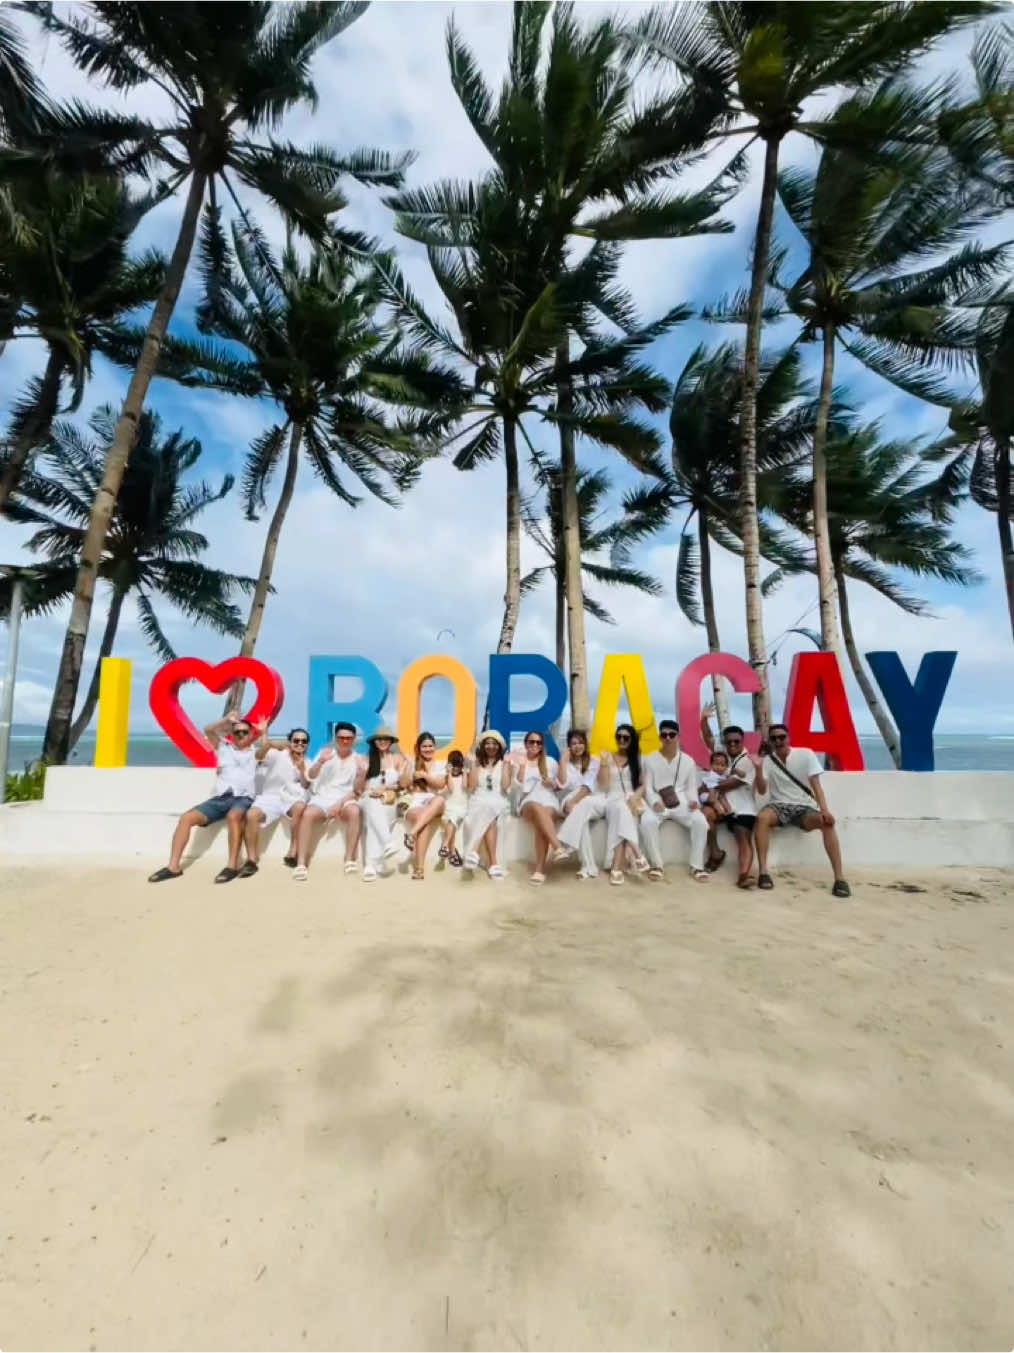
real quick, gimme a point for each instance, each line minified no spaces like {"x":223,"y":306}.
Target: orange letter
{"x":410,"y":687}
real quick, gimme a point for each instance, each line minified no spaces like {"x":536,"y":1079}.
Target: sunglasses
{"x":346,"y":737}
{"x":300,"y":742}
{"x":667,"y":736}
{"x":622,"y":737}
{"x":241,"y":732}
{"x":533,"y":742}
{"x":779,"y":737}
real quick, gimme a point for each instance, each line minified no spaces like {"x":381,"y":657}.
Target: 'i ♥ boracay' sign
{"x":815,"y":686}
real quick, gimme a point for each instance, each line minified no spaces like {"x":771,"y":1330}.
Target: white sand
{"x":450,"y":1116}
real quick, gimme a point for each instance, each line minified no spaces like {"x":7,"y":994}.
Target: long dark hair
{"x":633,"y":753}
{"x":375,"y":760}
{"x":423,"y":737}
{"x":580,"y":733}
{"x":480,"y":755}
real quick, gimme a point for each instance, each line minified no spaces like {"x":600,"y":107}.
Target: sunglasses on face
{"x":241,"y":732}
{"x":533,"y":742}
{"x":300,"y":742}
{"x":622,"y":737}
{"x":346,"y":737}
{"x":668,"y":737}
{"x":779,"y":737}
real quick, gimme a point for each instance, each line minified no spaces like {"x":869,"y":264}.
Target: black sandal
{"x":160,"y":875}
{"x":226,"y":875}
{"x":841,"y":889}
{"x":249,"y":869}
{"x":715,"y":861}
{"x":289,"y":861}
{"x":455,"y":860}
{"x":443,"y":852}
{"x":764,"y":881}
{"x":409,"y":840}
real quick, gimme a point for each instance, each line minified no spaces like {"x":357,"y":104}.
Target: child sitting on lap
{"x":710,"y":779}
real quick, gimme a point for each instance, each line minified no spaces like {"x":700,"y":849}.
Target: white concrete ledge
{"x":887,"y":819}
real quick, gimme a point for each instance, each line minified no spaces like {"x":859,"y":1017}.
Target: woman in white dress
{"x":379,"y":799}
{"x":489,"y":780}
{"x":535,"y":786}
{"x":455,"y":807}
{"x":283,"y":794}
{"x":620,"y":782}
{"x":580,"y":801}
{"x":425,"y":780}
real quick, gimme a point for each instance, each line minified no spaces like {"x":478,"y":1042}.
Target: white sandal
{"x":369,"y":874}
{"x":351,"y":867}
{"x":559,"y":853}
{"x":300,"y":874}
{"x":495,"y":870}
{"x":472,"y":860}
{"x":616,"y":877}
{"x":641,"y":865}
{"x":537,"y":880}
{"x":583,"y":874}
{"x":656,"y":875}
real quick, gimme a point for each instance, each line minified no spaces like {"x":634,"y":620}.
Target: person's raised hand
{"x":261,"y":727}
{"x":326,"y":754}
{"x":708,"y":711}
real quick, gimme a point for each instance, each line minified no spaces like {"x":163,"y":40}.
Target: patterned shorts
{"x":791,"y":814}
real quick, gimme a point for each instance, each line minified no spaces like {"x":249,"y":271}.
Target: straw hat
{"x":491,"y":733}
{"x":383,"y":732}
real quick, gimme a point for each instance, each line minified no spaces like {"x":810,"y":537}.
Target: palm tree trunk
{"x":559,"y":579}
{"x":1003,"y":515}
{"x":61,"y":710}
{"x":512,"y":594}
{"x":105,"y":648}
{"x":750,"y":531}
{"x":710,"y":615}
{"x":880,"y":715}
{"x":830,"y":639}
{"x":263,"y":587}
{"x":36,"y":427}
{"x":580,"y":706}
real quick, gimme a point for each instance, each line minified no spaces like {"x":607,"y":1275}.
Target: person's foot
{"x":369,"y":874}
{"x":300,"y":874}
{"x":472,"y":861}
{"x":745,"y":881}
{"x":616,"y":877}
{"x":655,"y":875}
{"x":226,"y":875}
{"x":409,"y":840}
{"x":537,"y":879}
{"x":841,"y":889}
{"x":700,"y":876}
{"x":495,"y":871}
{"x":455,"y":860}
{"x":249,"y":869}
{"x":160,"y":875}
{"x":560,"y":852}
{"x":289,"y":861}
{"x":641,"y":865}
{"x":714,"y":861}
{"x":352,"y":866}
{"x":764,"y":881}
{"x":390,"y":849}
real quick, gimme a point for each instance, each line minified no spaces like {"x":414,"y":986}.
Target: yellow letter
{"x":410,"y":687}
{"x":114,"y":712}
{"x":623,"y":671}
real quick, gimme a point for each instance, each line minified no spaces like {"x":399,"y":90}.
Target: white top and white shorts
{"x":418,"y":798}
{"x":282,"y":786}
{"x":531,"y":788}
{"x":335,"y":781}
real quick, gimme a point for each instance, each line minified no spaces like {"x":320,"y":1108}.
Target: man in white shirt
{"x":737,"y":787}
{"x":337,"y":777}
{"x":670,"y":791}
{"x":232,"y":738}
{"x":790,"y":776}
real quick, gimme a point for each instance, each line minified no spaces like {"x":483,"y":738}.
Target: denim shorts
{"x":215,"y":809}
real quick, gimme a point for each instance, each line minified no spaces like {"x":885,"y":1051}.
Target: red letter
{"x":741,"y":677}
{"x":817,"y":677}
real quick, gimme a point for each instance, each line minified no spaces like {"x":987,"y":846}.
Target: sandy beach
{"x":462,"y":1116}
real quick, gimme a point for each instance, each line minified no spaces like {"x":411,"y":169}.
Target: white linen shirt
{"x":337,"y":774}
{"x":680,"y":773}
{"x":741,"y":800}
{"x":803,"y":763}
{"x":237,"y":770}
{"x":281,"y":776}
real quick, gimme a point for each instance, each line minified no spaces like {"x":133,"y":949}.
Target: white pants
{"x":273,"y":806}
{"x":621,"y":825}
{"x":481,"y":815}
{"x":691,"y":819}
{"x":575,"y":831}
{"x":379,"y":818}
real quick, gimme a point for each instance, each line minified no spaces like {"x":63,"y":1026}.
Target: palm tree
{"x":645,"y":511}
{"x":885,"y":516}
{"x":68,"y":280}
{"x":753,"y":68}
{"x":979,"y":134}
{"x":704,"y":425}
{"x":152,"y":550}
{"x":511,"y":344}
{"x":229,"y":73}
{"x":318,"y":347}
{"x":581,"y":162}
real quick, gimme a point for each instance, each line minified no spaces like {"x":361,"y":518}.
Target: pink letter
{"x":741,"y":676}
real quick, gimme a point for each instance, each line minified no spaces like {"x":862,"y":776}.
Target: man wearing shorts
{"x":790,"y":776}
{"x":283,"y":794}
{"x":738,"y":788}
{"x":232,"y":738}
{"x":337,"y":777}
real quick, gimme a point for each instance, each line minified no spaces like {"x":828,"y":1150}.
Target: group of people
{"x":466,"y":799}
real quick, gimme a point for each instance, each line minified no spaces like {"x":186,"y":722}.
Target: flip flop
{"x":289,"y":861}
{"x":369,"y":874}
{"x":495,"y":871}
{"x":764,"y":881}
{"x":471,"y":860}
{"x":559,"y":853}
{"x":715,"y":861}
{"x":841,"y":889}
{"x":160,"y":875}
{"x":351,"y":867}
{"x":641,"y":865}
{"x":226,"y":875}
{"x":248,"y":870}
{"x":616,"y":877}
{"x":455,"y":860}
{"x":409,"y":840}
{"x":745,"y":881}
{"x":417,"y":874}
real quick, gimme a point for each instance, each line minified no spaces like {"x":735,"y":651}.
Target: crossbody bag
{"x":667,"y":793}
{"x":778,"y":765}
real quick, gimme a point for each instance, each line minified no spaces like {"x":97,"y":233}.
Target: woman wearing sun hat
{"x":489,"y":778}
{"x":379,"y":799}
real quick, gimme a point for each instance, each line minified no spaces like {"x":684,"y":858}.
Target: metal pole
{"x":7,"y":706}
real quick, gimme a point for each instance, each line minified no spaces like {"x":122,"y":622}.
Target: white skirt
{"x":541,"y":795}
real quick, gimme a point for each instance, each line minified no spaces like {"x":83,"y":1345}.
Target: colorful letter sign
{"x":507,"y":721}
{"x":915,"y":707}
{"x":816,"y":678}
{"x":741,"y":677}
{"x":325,"y":711}
{"x":163,"y":697}
{"x":410,"y":687}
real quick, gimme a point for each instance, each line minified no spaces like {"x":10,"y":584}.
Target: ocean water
{"x":954,"y":751}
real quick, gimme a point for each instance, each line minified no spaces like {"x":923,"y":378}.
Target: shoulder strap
{"x":780,"y":765}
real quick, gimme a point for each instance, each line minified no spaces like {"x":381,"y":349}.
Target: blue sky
{"x":385,"y":583}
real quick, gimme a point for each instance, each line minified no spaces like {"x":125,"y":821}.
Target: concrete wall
{"x":887,"y":819}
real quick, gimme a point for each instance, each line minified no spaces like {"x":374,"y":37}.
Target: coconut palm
{"x":511,"y":344}
{"x":580,"y":161}
{"x":979,"y":133}
{"x":644,"y":512}
{"x":152,"y":551}
{"x":229,"y":74}
{"x":704,"y":426}
{"x":68,"y":280}
{"x":755,"y":68}
{"x":886,"y":516}
{"x":317,"y":345}
{"x":870,"y":285}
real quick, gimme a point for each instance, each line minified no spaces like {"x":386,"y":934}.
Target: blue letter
{"x":503,"y":666}
{"x":324,"y":711}
{"x":915,"y":707}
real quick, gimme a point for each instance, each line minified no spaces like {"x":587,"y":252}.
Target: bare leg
{"x":234,"y":820}
{"x":311,"y":816}
{"x":744,"y":849}
{"x":535,"y":815}
{"x":188,"y":821}
{"x":252,"y":834}
{"x":422,"y":828}
{"x":709,"y":813}
{"x":295,"y":816}
{"x":351,"y":815}
{"x":766,"y":822}
{"x":831,"y":843}
{"x":543,"y":821}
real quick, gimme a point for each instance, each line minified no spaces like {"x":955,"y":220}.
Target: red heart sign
{"x":163,"y":697}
